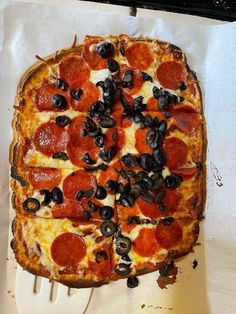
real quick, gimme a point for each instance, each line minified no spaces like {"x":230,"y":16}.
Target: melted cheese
{"x":41,"y":233}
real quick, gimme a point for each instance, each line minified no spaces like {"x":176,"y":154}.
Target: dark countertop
{"x":216,"y":9}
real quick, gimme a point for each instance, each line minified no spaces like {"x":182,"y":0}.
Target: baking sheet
{"x":30,"y":29}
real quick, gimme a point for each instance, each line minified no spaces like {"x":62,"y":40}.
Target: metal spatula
{"x":37,"y":295}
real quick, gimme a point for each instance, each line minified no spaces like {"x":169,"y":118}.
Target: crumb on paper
{"x":160,"y":307}
{"x":13,"y":297}
{"x":195,"y":264}
{"x":216,"y":174}
{"x":169,"y":279}
{"x":142,"y":306}
{"x":8,"y":291}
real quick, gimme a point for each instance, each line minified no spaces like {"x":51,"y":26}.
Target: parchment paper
{"x":30,"y":29}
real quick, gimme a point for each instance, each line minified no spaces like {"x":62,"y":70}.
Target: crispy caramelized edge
{"x":14,"y":160}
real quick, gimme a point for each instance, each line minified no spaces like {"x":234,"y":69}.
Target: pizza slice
{"x":66,"y":193}
{"x":75,"y":254}
{"x":145,"y":247}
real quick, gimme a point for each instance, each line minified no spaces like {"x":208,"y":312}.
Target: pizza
{"x":107,"y":161}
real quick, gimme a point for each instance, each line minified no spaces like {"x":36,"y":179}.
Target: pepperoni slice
{"x":137,"y":80}
{"x":78,"y":144}
{"x":90,"y":55}
{"x":79,"y":180}
{"x":43,"y":96}
{"x":44,"y":178}
{"x":90,"y":95}
{"x":150,"y":210}
{"x":187,"y":119}
{"x":140,"y":141}
{"x":68,"y":249}
{"x":170,"y":73}
{"x":139,"y":56}
{"x":74,"y":71}
{"x":49,"y":138}
{"x":152,"y":104}
{"x":168,"y":235}
{"x":114,"y":137}
{"x":68,"y":209}
{"x":185,"y":173}
{"x":171,"y":201}
{"x":112,"y":173}
{"x":177,"y":152}
{"x":146,"y":244}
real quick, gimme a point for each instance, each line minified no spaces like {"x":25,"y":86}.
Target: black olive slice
{"x":181,"y":85}
{"x":134,"y":220}
{"x":99,"y":140}
{"x":63,"y":121}
{"x":93,"y":207}
{"x":90,"y":125}
{"x":113,"y":65}
{"x":108,"y":228}
{"x":162,"y":126}
{"x":107,"y":122}
{"x":47,"y":197}
{"x":159,"y":197}
{"x":100,"y":84}
{"x":88,"y":159}
{"x":123,"y":245}
{"x":173,"y":181}
{"x":58,"y":101}
{"x":163,"y":103}
{"x":61,"y":84}
{"x":112,"y":151}
{"x":128,"y":78}
{"x":100,"y":256}
{"x":138,"y":104}
{"x":137,"y":117}
{"x":154,"y":138}
{"x":126,"y":258}
{"x":159,"y":156}
{"x":31,"y":205}
{"x":147,"y":77}
{"x":123,"y":269}
{"x":132,"y":282}
{"x":147,"y":183}
{"x":76,"y":93}
{"x":168,"y":221}
{"x":101,"y":193}
{"x":127,"y":200}
{"x":97,"y":109}
{"x":158,"y":181}
{"x":57,"y":195}
{"x":101,"y":166}
{"x":60,"y":155}
{"x":84,"y":194}
{"x":105,"y":49}
{"x":147,"y":197}
{"x":129,"y":160}
{"x":106,"y":212}
{"x":146,"y":162}
{"x":156,"y":92}
{"x":111,"y":185}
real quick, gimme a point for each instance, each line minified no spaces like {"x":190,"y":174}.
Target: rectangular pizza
{"x":107,"y":161}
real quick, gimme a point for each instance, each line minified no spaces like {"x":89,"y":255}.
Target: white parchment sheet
{"x":29,"y":29}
